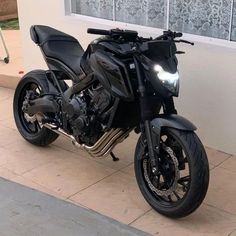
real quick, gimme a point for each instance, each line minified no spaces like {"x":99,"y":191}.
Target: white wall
{"x":208,"y":82}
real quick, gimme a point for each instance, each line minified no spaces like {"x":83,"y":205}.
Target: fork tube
{"x":146,"y":115}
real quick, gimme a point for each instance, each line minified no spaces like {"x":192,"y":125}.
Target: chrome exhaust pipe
{"x":106,"y":147}
{"x":63,"y":133}
{"x":106,"y":136}
{"x":102,"y":147}
{"x":111,"y":145}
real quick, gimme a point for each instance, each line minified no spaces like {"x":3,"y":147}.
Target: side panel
{"x":128,"y":114}
{"x":112,"y":73}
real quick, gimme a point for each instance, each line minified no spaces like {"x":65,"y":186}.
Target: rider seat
{"x":58,"y":45}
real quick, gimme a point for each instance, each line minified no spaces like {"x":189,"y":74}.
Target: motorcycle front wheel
{"x":181,"y":183}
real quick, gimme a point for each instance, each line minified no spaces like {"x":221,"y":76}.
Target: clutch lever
{"x":180,"y":52}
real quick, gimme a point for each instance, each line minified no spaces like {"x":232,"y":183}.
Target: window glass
{"x":209,"y":18}
{"x":233,"y":31}
{"x":142,"y":12}
{"x":202,"y":17}
{"x":96,"y":8}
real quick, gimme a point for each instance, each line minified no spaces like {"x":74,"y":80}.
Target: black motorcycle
{"x":119,"y":84}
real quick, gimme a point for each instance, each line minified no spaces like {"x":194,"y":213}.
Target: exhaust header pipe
{"x":103,"y":147}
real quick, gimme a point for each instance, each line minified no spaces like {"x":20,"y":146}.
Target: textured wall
{"x":8,"y":9}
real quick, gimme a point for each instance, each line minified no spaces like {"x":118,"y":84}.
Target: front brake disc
{"x":174,"y":185}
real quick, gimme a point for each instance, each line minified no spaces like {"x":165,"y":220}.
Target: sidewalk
{"x":28,"y":212}
{"x":110,"y":187}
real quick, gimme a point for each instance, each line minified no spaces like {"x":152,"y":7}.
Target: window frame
{"x":147,"y":30}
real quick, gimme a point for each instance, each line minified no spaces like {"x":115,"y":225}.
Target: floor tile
{"x":216,"y":157}
{"x":230,"y":164}
{"x":3,"y":158}
{"x":29,"y":183}
{"x":211,"y":166}
{"x":117,"y":196}
{"x":233,"y":233}
{"x":6,"y":109}
{"x":134,"y":136}
{"x":70,"y":175}
{"x":5,"y":94}
{"x":129,"y":170}
{"x":9,"y":122}
{"x":8,"y":136}
{"x":205,"y":221}
{"x":222,"y":190}
{"x":7,"y":174}
{"x":24,"y":148}
{"x":20,"y":162}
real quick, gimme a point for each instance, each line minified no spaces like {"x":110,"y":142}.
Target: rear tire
{"x":43,"y":136}
{"x":198,"y":172}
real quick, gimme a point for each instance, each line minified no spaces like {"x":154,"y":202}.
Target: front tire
{"x":190,"y":156}
{"x":31,"y":131}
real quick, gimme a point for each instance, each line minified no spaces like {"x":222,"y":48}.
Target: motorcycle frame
{"x":150,"y":126}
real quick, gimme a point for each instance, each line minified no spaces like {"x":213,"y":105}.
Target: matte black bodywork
{"x":111,"y":62}
{"x":173,"y":121}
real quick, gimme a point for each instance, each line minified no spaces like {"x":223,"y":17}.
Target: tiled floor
{"x":109,"y":187}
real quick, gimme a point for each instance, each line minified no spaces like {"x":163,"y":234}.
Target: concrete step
{"x":9,"y":81}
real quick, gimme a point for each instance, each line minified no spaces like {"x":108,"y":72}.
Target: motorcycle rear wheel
{"x":174,"y":192}
{"x":31,"y":131}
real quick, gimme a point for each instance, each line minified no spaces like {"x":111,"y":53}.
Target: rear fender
{"x":42,"y":75}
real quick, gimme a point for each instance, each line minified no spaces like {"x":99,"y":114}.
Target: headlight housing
{"x":168,"y":80}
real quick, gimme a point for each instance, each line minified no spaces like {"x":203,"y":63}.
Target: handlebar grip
{"x":98,"y":31}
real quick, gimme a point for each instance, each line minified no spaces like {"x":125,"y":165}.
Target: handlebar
{"x":98,"y":31}
{"x":170,"y":35}
{"x":115,"y":33}
{"x":132,"y":36}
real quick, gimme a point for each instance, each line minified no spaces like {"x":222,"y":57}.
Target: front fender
{"x":172,"y":121}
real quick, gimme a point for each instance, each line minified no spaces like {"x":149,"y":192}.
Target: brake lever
{"x":184,"y":41}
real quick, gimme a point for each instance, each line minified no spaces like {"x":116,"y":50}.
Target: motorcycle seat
{"x":58,"y":45}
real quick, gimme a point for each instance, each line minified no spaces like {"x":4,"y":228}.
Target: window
{"x":201,"y":17}
{"x":213,"y":18}
{"x":96,"y":8}
{"x":142,"y":12}
{"x":233,"y":29}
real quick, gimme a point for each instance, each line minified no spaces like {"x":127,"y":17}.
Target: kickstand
{"x":114,"y":158}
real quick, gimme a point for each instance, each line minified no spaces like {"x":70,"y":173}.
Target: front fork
{"x":153,"y":143}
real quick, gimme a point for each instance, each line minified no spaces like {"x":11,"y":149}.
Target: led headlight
{"x":169,"y":80}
